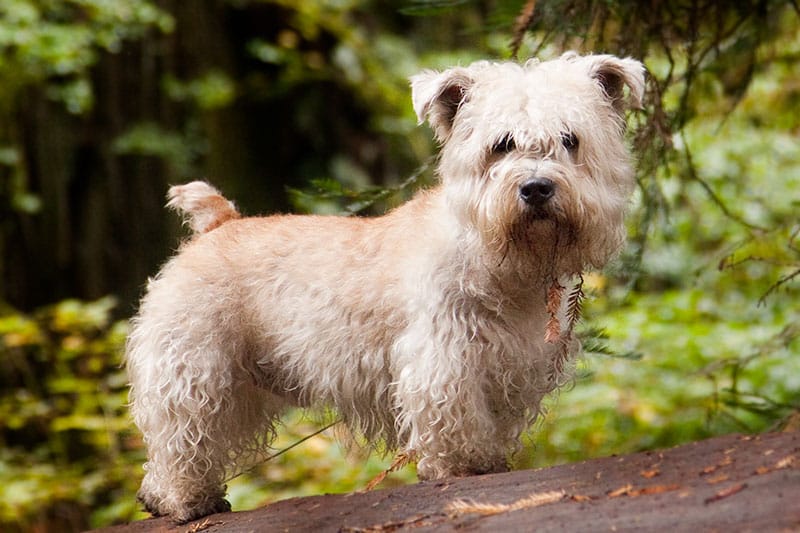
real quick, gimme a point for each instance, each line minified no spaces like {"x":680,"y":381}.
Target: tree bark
{"x":730,"y":483}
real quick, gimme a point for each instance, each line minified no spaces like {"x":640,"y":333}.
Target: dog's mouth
{"x":547,"y":211}
{"x":542,"y":224}
{"x":538,"y":213}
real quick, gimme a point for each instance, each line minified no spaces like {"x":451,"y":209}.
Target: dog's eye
{"x":504,"y":145}
{"x":570,"y":141}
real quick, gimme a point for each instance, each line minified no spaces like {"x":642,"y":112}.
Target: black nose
{"x":537,"y":191}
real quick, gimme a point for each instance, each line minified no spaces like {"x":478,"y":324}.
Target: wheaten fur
{"x":424,"y":328}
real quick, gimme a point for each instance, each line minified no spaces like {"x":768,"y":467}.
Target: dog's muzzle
{"x":537,"y":191}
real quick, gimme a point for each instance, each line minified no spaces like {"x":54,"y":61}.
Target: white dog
{"x":424,"y":328}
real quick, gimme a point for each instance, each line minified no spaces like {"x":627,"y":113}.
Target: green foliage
{"x":150,"y":139}
{"x":60,"y":40}
{"x":334,"y":197}
{"x":66,"y":435}
{"x":713,"y":311}
{"x":693,"y":333}
{"x":430,"y":7}
{"x":213,"y":90}
{"x":50,"y":47}
{"x":318,"y":466}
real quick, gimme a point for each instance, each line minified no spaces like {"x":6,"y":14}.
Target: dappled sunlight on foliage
{"x":715,"y":324}
{"x":66,"y":433}
{"x":67,"y":437}
{"x":692,"y":332}
{"x":320,"y":465}
{"x":43,"y":43}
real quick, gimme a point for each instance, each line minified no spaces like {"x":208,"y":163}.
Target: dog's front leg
{"x":445,"y":416}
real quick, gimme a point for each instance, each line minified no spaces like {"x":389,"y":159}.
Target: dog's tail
{"x":202,"y":206}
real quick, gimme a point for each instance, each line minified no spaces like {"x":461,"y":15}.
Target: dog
{"x":424,"y":329}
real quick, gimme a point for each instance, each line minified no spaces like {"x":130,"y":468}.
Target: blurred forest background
{"x":304,"y":106}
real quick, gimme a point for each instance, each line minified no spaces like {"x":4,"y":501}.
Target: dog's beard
{"x":544,"y":244}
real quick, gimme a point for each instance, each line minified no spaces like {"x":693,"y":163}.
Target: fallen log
{"x":730,"y":483}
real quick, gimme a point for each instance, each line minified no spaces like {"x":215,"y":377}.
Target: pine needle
{"x":301,"y":441}
{"x":459,"y":507}
{"x":521,"y":25}
{"x":552,"y":332}
{"x":573,"y":315}
{"x":575,"y":305}
{"x":284,"y":450}
{"x":554,"y":294}
{"x":401,"y":460}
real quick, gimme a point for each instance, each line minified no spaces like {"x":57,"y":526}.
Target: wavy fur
{"x":423,"y":329}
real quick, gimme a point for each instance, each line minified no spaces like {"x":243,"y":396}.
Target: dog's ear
{"x":613,"y":73}
{"x":438,"y":95}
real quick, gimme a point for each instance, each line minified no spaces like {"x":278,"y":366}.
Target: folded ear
{"x":437,"y":97}
{"x":613,"y":73}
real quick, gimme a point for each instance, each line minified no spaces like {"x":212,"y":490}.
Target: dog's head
{"x":533,"y":155}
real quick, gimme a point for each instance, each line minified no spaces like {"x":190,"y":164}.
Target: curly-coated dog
{"x":425,"y":328}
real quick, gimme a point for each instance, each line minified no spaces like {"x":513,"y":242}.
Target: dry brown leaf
{"x":648,"y":474}
{"x":717,"y":479}
{"x":708,"y":470}
{"x":554,"y":295}
{"x":786,"y":462}
{"x":201,"y":526}
{"x":414,"y":521}
{"x":552,"y":333}
{"x":622,"y":491}
{"x":653,"y":489}
{"x":730,"y":491}
{"x":712,"y":468}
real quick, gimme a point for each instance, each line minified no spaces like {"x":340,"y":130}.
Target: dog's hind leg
{"x":199,"y":409}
